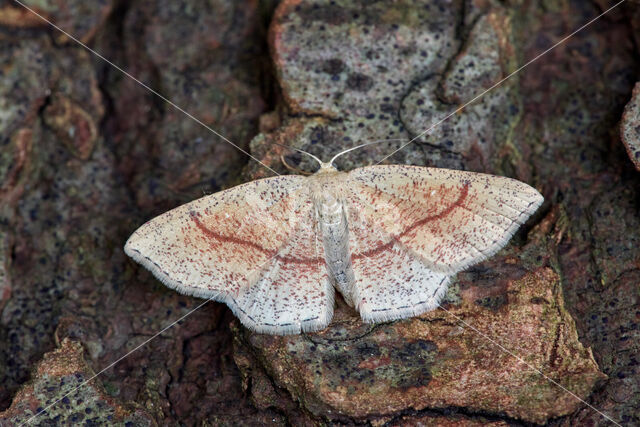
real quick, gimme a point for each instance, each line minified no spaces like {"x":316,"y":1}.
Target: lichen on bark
{"x":88,"y":155}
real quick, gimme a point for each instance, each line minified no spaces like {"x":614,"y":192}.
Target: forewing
{"x":447,"y":218}
{"x":252,"y":246}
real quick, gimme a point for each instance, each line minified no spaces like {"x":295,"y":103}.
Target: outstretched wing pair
{"x":256,"y":246}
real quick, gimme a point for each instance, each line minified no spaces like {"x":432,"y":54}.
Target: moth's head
{"x":326,"y":168}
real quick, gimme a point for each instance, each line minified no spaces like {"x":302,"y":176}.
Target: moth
{"x":387,"y":237}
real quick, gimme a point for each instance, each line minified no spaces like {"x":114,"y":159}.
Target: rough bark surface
{"x":87,"y":155}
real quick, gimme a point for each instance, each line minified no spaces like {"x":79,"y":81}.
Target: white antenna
{"x":300,"y":151}
{"x":363,"y":145}
{"x":38,"y":412}
{"x":320,"y":162}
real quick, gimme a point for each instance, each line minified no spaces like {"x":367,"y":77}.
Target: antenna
{"x":301,"y":151}
{"x":320,"y":162}
{"x":40,"y":411}
{"x":363,"y":145}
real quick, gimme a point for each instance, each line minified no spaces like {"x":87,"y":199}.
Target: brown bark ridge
{"x":88,"y":155}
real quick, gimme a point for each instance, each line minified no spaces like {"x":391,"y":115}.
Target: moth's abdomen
{"x":332,"y":221}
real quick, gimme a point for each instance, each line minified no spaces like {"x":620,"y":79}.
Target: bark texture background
{"x":87,"y":155}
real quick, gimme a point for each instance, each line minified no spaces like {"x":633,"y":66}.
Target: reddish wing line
{"x":168,"y":101}
{"x":212,"y":235}
{"x":395,"y":238}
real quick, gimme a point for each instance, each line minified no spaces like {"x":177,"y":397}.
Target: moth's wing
{"x":390,"y":281}
{"x":253,"y":247}
{"x":447,"y":218}
{"x":411,"y":228}
{"x":292,"y":293}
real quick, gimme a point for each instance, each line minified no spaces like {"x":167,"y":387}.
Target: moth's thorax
{"x":327,"y":191}
{"x":391,"y":237}
{"x":327,"y":188}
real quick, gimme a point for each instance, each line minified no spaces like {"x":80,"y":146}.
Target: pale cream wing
{"x":292,"y":293}
{"x":391,"y":282}
{"x":447,"y":218}
{"x":253,"y":247}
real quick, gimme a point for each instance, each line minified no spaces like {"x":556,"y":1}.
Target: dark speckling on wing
{"x":387,"y":237}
